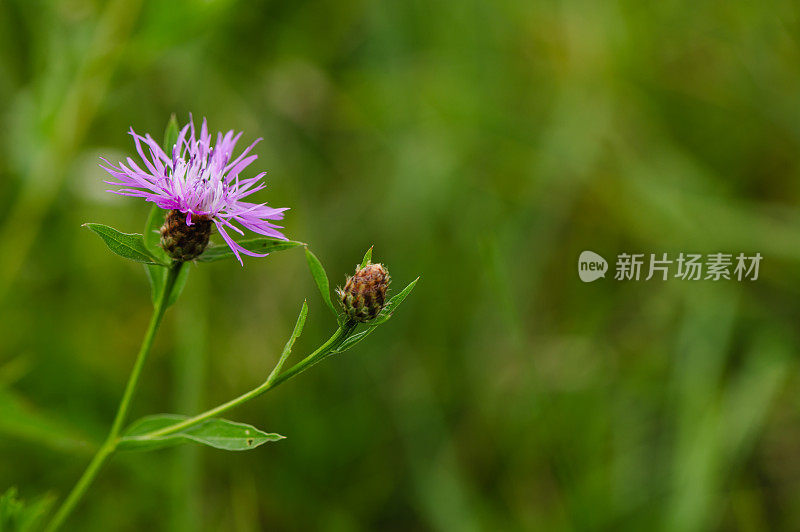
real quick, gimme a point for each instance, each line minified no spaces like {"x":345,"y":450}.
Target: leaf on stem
{"x":156,"y":274}
{"x":128,"y":245}
{"x":321,"y":279}
{"x":382,"y":318}
{"x":180,"y":283}
{"x":217,"y":433}
{"x":287,"y":349}
{"x":151,"y":237}
{"x":394,"y":302}
{"x":152,"y":232}
{"x":367,"y":258}
{"x":257,"y":245}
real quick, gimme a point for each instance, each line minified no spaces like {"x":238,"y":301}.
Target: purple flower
{"x":200,"y":180}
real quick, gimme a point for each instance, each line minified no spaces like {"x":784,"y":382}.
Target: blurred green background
{"x":483,"y":145}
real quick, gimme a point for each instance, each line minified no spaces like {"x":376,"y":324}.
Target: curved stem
{"x":147,"y":344}
{"x":107,"y":449}
{"x":322,"y":351}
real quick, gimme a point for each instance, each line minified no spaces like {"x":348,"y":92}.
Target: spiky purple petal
{"x":199,"y":179}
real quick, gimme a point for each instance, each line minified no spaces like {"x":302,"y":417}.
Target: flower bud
{"x":364,"y":294}
{"x":185,"y":242}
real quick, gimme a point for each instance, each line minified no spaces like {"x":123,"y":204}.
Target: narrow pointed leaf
{"x":128,"y":245}
{"x":152,"y":237}
{"x":217,"y":433}
{"x":180,"y":283}
{"x":287,"y":349}
{"x":152,"y":232}
{"x":157,"y":276}
{"x":321,"y":279}
{"x":394,"y":302}
{"x":383,"y":317}
{"x":354,"y":339}
{"x":367,"y":258}
{"x":257,"y":245}
{"x":132,"y":437}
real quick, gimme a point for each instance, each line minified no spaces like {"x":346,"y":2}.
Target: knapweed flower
{"x":364,"y":294}
{"x":198,"y":183}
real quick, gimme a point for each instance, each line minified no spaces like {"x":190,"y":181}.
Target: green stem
{"x":273,"y":381}
{"x":147,"y":344}
{"x":110,"y":445}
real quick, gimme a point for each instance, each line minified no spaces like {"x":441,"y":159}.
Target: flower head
{"x":364,"y":294}
{"x":200,"y":180}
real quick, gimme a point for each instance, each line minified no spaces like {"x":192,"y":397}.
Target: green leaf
{"x":171,"y":135}
{"x":367,"y":258}
{"x":321,"y":278}
{"x":128,"y":245}
{"x":152,"y":232}
{"x":354,"y":339}
{"x":217,"y":433}
{"x":158,"y":279}
{"x":258,"y":245}
{"x":394,"y":302}
{"x":180,"y":283}
{"x":382,"y":318}
{"x":16,"y":516}
{"x":152,"y":237}
{"x":287,"y":349}
{"x":157,"y":276}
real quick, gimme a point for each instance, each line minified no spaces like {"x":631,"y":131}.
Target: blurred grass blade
{"x":258,"y":245}
{"x":81,"y":91}
{"x":127,"y":245}
{"x":170,"y":135}
{"x":217,"y":433}
{"x":367,"y":258}
{"x":321,"y":278}
{"x":17,"y":516}
{"x":14,"y":369}
{"x":287,"y":349}
{"x":22,"y":420}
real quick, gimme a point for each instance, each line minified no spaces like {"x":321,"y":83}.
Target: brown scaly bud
{"x":364,"y":294}
{"x":185,"y":242}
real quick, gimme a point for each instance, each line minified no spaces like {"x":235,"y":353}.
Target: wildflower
{"x":364,"y":294}
{"x":198,"y":184}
